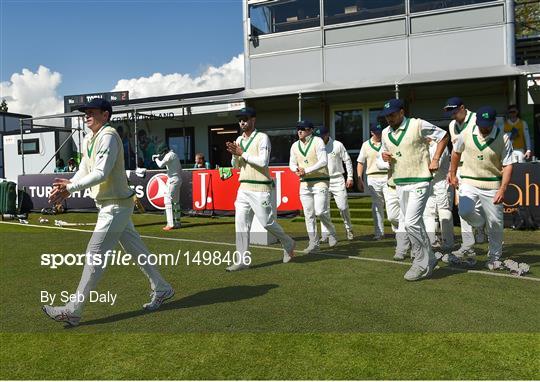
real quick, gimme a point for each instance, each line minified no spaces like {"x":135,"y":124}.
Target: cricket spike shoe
{"x":61,"y":314}
{"x":350,"y":235}
{"x":158,"y":298}
{"x":288,"y":254}
{"x":237,"y":267}
{"x":332,"y":241}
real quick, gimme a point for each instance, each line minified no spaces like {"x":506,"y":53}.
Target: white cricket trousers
{"x":412,"y":200}
{"x":172,"y":201}
{"x":439,"y":204}
{"x":338,"y":190}
{"x":378,"y":188}
{"x":114,"y":226}
{"x":260,"y":204}
{"x":467,"y":234}
{"x":396,"y":218}
{"x":316,"y":204}
{"x":490,"y":214}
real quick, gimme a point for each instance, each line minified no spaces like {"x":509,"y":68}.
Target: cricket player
{"x":309,"y":161}
{"x":440,"y":204}
{"x":251,"y":153}
{"x":377,"y":179}
{"x":487,"y":158}
{"x":102,"y":170}
{"x":518,"y":132}
{"x":462,"y":120}
{"x":404,"y":145}
{"x":168,"y":158}
{"x":337,"y":155}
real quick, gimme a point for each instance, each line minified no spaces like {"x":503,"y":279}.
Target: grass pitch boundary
{"x":461,"y":270}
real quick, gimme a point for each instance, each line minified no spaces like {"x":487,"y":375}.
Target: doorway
{"x":217,"y":137}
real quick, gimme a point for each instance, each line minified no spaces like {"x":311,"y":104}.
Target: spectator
{"x":200,"y":162}
{"x":518,"y":132}
{"x":72,"y":165}
{"x":60,"y":166}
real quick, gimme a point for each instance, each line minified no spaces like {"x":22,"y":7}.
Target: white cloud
{"x":33,"y":93}
{"x":229,"y":75}
{"x":36,"y":93}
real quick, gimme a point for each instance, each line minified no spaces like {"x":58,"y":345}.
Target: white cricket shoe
{"x":332,"y":241}
{"x":288,"y":254}
{"x":463,"y":252}
{"x":399,"y":256}
{"x":312,"y":247}
{"x":350,"y":235}
{"x":158,"y":298}
{"x":378,"y":237}
{"x":493,"y":265}
{"x":323,"y":239}
{"x":61,"y":314}
{"x":236,"y":267}
{"x":416,"y":273}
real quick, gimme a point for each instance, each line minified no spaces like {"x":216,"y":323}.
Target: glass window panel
{"x":281,"y":141}
{"x":349,"y":128}
{"x":283,"y":15}
{"x":431,"y":5}
{"x":344,"y":11}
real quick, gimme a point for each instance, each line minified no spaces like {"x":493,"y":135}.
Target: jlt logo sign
{"x":210,"y":192}
{"x":204,"y":198}
{"x":156,"y":190}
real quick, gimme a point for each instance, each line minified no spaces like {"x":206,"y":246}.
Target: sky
{"x":52,"y":48}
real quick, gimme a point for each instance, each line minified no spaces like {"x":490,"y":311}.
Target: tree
{"x":527,"y":14}
{"x":4,"y":106}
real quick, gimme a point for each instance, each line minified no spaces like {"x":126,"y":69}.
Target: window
{"x":182,"y":142}
{"x":281,"y":141}
{"x":431,"y":5}
{"x":30,"y":146}
{"x":283,"y":15}
{"x":344,"y":11}
{"x":349,"y":128}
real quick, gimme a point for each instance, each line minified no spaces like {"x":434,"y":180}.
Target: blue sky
{"x":94,"y":44}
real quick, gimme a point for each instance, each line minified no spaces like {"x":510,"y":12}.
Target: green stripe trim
{"x":256,"y":181}
{"x":488,"y":179}
{"x":398,"y":141}
{"x":457,"y":130}
{"x":488,"y":142}
{"x":378,"y":172}
{"x":315,"y":179}
{"x":412,"y":180}
{"x":249,"y":142}
{"x":304,"y":153}
{"x":373,"y":146}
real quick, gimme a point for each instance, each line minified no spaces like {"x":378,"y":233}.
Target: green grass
{"x":319,"y":317}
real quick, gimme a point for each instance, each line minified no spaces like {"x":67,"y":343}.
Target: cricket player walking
{"x":377,"y":179}
{"x":337,"y":155}
{"x":168,"y":158}
{"x":251,"y":153}
{"x":486,"y":153}
{"x":404,"y":144}
{"x":102,"y":170}
{"x":463,"y":120}
{"x":309,"y":161}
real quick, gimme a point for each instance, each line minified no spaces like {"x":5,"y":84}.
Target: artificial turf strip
{"x":270,"y":356}
{"x":316,"y":317}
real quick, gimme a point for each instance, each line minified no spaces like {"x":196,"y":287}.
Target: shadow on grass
{"x":208,"y":297}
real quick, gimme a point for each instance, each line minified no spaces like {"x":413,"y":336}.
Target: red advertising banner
{"x":210,"y":192}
